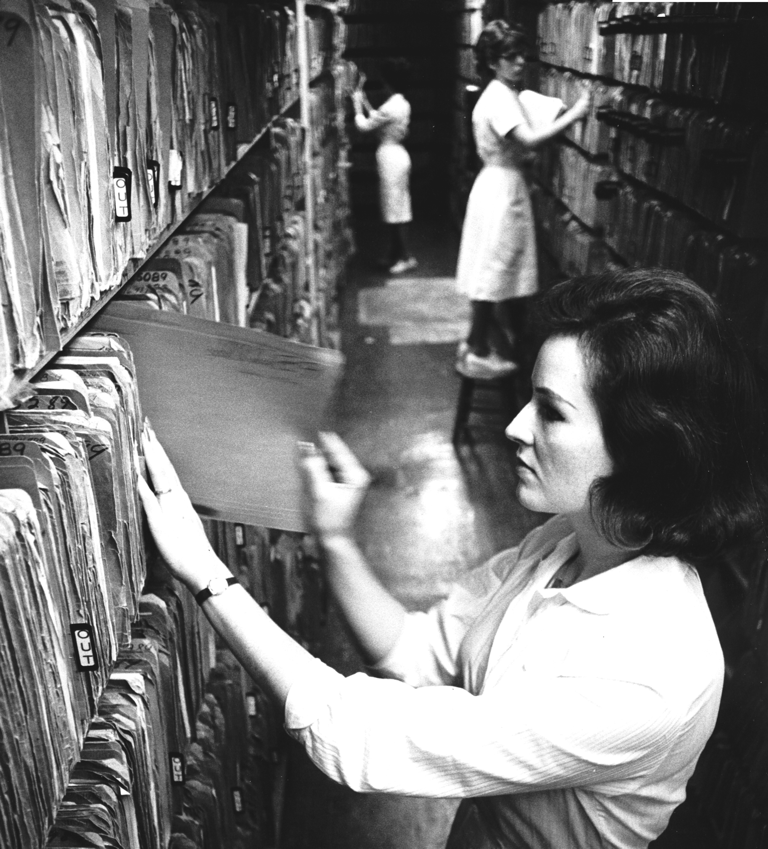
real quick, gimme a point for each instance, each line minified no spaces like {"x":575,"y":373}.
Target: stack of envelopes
{"x":114,"y":118}
{"x":74,"y":564}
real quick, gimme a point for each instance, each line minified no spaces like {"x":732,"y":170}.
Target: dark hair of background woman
{"x":396,"y":73}
{"x":498,"y":39}
{"x":682,"y":415}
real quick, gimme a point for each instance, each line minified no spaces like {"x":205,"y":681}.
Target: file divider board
{"x":229,"y":404}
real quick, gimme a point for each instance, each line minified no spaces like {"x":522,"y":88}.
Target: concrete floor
{"x":432,"y":511}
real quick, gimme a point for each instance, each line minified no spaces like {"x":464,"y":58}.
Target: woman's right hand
{"x":336,"y":486}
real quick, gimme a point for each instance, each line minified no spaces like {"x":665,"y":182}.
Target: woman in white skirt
{"x":497,"y":265}
{"x":390,"y":124}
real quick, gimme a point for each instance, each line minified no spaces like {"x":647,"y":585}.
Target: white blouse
{"x":580,"y":712}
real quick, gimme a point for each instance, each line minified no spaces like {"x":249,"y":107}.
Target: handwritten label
{"x":195,"y":291}
{"x":95,"y":449}
{"x":49,"y":402}
{"x":85,"y":646}
{"x":121,"y":189}
{"x":214,"y":113}
{"x":15,"y":449}
{"x":250,"y":704}
{"x":239,"y":535}
{"x":231,"y":116}
{"x":178,"y":767}
{"x":154,"y":276}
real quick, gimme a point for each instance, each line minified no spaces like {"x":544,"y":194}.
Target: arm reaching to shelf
{"x":336,"y":486}
{"x":367,"y":119}
{"x":532,"y":137}
{"x":272,"y":658}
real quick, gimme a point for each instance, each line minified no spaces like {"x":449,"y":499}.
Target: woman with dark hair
{"x":390,"y":124}
{"x":497,"y":266}
{"x":565,"y":689}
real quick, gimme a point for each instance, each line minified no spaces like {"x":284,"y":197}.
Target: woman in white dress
{"x":390,"y":124}
{"x":497,"y":265}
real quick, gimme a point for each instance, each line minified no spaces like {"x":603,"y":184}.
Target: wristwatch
{"x":216,"y":586}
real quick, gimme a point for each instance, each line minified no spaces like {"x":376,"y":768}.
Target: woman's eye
{"x":550,"y":413}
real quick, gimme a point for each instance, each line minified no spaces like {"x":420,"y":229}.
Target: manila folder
{"x":229,"y":404}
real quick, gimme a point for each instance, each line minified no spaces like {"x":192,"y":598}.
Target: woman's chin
{"x":526,"y":498}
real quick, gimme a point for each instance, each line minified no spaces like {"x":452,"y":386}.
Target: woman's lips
{"x":522,"y":466}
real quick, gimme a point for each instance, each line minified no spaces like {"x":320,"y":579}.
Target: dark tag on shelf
{"x":239,"y":535}
{"x":250,"y":704}
{"x":237,"y":800}
{"x":214,"y":103}
{"x":636,"y":61}
{"x":231,"y":116}
{"x":153,"y":179}
{"x":178,"y":767}
{"x":85,"y":645}
{"x":121,"y":190}
{"x":606,"y":189}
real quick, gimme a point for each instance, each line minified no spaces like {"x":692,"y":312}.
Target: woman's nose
{"x":519,"y":430}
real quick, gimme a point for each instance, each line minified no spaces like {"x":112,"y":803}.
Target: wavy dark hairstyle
{"x":682,"y":413}
{"x":498,"y":39}
{"x":396,"y":73}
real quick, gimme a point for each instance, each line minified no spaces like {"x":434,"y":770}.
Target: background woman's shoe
{"x":403,"y":265}
{"x":497,"y":361}
{"x":485,"y":368}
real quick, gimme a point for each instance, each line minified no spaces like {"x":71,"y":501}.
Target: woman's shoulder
{"x":497,"y":92}
{"x":396,"y":107}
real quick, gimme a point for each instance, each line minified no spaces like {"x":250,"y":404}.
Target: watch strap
{"x":205,"y":593}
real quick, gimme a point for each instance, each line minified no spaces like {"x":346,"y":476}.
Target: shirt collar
{"x":604,"y":593}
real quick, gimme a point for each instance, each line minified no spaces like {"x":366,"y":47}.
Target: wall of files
{"x":124,"y":724}
{"x":419,"y":32}
{"x":669,"y":170}
{"x":162,"y":101}
{"x":153,"y":150}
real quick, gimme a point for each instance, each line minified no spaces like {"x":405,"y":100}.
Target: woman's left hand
{"x":175,"y":526}
{"x":583,"y":105}
{"x":336,"y":485}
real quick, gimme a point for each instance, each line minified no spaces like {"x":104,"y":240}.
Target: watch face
{"x":216,"y":586}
